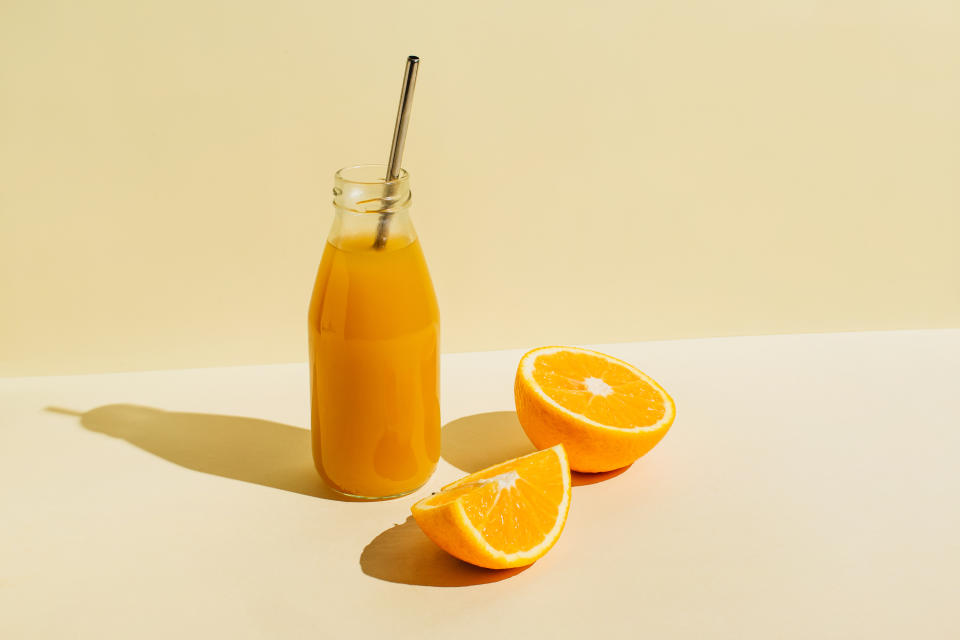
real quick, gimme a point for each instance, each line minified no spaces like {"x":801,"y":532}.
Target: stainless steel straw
{"x":399,"y":138}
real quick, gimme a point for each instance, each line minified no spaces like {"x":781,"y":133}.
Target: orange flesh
{"x":517,"y":518}
{"x":632,"y":401}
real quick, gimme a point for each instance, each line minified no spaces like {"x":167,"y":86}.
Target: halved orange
{"x":606,"y":412}
{"x":508,"y":515}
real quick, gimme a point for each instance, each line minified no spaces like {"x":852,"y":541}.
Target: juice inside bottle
{"x":374,"y":348}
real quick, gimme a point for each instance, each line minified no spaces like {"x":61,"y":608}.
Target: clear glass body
{"x":374,"y":333}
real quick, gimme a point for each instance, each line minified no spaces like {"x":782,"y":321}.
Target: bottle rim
{"x":364,"y":189}
{"x":369,"y":174}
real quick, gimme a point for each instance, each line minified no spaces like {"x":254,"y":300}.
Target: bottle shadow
{"x":261,"y":452}
{"x":404,"y":554}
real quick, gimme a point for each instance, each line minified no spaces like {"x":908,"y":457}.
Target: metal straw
{"x":399,"y":138}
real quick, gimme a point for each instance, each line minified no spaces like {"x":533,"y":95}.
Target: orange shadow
{"x":482,"y":440}
{"x":404,"y":554}
{"x":579,"y":479}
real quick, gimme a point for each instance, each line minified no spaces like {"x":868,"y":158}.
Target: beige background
{"x":583,"y":172}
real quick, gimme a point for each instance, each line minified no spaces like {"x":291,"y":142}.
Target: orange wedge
{"x":508,"y":515}
{"x":606,"y":412}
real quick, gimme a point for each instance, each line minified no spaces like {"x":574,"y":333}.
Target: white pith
{"x":505,"y":481}
{"x":597,"y":387}
{"x":530,"y":359}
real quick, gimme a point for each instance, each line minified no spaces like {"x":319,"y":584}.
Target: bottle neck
{"x":355,"y":231}
{"x":368,"y":206}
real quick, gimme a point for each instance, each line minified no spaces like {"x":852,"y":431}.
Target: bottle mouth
{"x":364,"y":189}
{"x":369,"y":174}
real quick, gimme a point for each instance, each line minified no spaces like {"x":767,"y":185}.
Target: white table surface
{"x":810,"y":488}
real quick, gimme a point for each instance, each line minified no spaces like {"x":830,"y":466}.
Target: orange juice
{"x":374,"y":359}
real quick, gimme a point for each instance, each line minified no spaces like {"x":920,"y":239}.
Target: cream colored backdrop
{"x":582,"y":171}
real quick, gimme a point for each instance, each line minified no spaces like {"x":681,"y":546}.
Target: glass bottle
{"x":374,"y":343}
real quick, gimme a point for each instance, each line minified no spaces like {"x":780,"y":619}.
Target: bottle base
{"x":354,"y":496}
